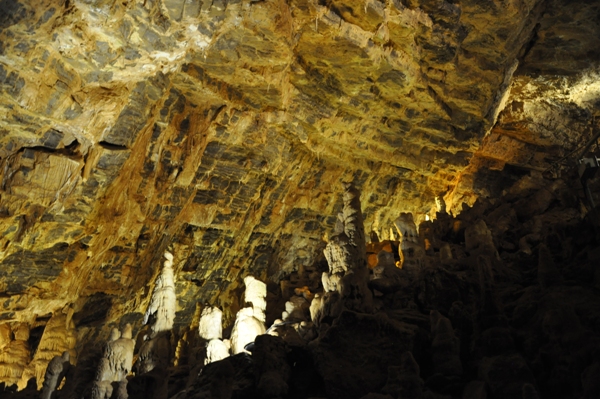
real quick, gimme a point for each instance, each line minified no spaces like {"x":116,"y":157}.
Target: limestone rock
{"x":404,"y":380}
{"x":361,"y":347}
{"x":216,"y":350}
{"x":445,"y":346}
{"x":272,"y":372}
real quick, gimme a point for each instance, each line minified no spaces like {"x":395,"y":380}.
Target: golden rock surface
{"x":222,"y":130}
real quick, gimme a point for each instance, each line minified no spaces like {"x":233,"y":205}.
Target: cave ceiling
{"x":221,"y":130}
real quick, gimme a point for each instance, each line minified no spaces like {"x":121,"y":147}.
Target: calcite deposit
{"x":232,"y":136}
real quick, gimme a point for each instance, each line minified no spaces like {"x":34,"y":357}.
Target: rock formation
{"x":445,"y":346}
{"x":220,"y":130}
{"x":346,"y":255}
{"x":102,"y":385}
{"x":411,"y":252}
{"x":245,"y":330}
{"x":255,"y":294}
{"x":163,"y":303}
{"x":211,"y":330}
{"x":210,"y":326}
{"x":55,"y":372}
{"x":120,"y":354}
{"x":249,"y":321}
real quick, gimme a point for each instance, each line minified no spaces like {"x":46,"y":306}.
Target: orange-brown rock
{"x":221,"y":131}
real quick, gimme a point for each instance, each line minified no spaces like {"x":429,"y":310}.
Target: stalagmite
{"x":5,"y":334}
{"x":155,"y":352}
{"x":55,"y":372}
{"x":210,"y":329}
{"x":163,"y":303}
{"x":354,"y":224}
{"x":445,"y":346}
{"x":440,"y":204}
{"x":102,"y":386}
{"x":256,"y":294}
{"x":339,"y":258}
{"x":479,"y":240}
{"x":347,"y":259}
{"x":316,"y":309}
{"x":245,"y":330}
{"x":15,"y":356}
{"x":410,"y":251}
{"x":210,"y":326}
{"x":122,"y":390}
{"x":121,"y":356}
{"x":216,"y":350}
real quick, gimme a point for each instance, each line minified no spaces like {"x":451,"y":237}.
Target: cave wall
{"x":222,"y":131}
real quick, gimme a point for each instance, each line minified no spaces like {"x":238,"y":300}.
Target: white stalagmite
{"x":245,"y":330}
{"x":216,"y":350}
{"x":210,"y":326}
{"x":163,"y":303}
{"x":256,"y":294}
{"x":121,"y":357}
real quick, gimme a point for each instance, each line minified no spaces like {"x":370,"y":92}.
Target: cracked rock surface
{"x":220,"y":131}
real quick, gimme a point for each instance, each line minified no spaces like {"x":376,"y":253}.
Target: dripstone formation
{"x":484,"y":319}
{"x":299,"y":199}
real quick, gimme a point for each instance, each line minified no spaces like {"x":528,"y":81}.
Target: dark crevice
{"x":71,"y":151}
{"x":35,"y":336}
{"x":529,"y":44}
{"x":111,"y":146}
{"x":438,"y":100}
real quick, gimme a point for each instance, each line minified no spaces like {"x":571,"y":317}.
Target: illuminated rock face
{"x":223,"y":129}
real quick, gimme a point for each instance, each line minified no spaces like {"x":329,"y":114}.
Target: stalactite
{"x":58,"y":336}
{"x":16,"y":355}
